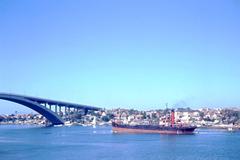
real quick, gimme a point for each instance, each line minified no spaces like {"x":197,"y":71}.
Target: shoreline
{"x":225,"y":127}
{"x":220,"y":127}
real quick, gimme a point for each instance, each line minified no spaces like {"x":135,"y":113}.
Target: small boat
{"x":68,"y":123}
{"x":94,"y":122}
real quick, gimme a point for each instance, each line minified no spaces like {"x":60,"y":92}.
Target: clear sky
{"x":124,"y":53}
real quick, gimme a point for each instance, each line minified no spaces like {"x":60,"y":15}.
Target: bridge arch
{"x":47,"y":113}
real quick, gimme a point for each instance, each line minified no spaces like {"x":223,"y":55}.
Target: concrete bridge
{"x":50,"y":109}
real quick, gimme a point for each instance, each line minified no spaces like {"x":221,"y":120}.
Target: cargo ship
{"x":172,"y":128}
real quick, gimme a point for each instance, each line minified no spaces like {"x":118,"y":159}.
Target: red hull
{"x":119,"y":128}
{"x":128,"y":130}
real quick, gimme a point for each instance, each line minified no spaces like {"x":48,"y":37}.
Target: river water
{"x":84,"y":143}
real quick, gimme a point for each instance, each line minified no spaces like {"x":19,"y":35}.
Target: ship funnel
{"x":172,"y":117}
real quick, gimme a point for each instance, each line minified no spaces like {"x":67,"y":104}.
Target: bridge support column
{"x":85,"y":111}
{"x":60,"y":109}
{"x":74,"y":110}
{"x":65,"y":108}
{"x":55,"y":108}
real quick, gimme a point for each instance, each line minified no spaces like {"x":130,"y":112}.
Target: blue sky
{"x":133,"y":54}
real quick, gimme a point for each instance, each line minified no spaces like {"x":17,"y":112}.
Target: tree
{"x":105,"y":119}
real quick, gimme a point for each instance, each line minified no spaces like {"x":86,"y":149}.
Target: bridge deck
{"x":53,"y":102}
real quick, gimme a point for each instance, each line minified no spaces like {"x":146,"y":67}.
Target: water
{"x":75,"y":143}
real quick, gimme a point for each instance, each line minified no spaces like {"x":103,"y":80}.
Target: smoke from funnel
{"x":180,"y":104}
